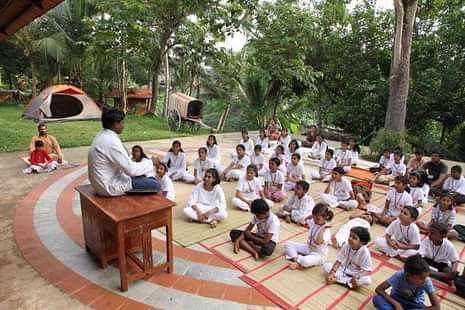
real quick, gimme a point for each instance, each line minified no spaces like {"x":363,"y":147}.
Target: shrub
{"x":389,"y":139}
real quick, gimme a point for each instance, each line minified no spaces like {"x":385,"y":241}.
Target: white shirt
{"x":269,"y":225}
{"x":274,"y":178}
{"x":417,"y":195}
{"x":447,"y":217}
{"x":355,"y":156}
{"x":249,"y":186}
{"x":327,"y":166}
{"x":343,"y":157}
{"x":263,"y":143}
{"x":406,"y":234}
{"x":257,"y":160}
{"x":319,"y":149}
{"x":149,"y":169}
{"x":201,"y":166}
{"x":343,"y":233}
{"x":398,"y":169}
{"x":341,"y":189}
{"x":455,"y":185}
{"x":386,"y":162}
{"x":354,"y":261}
{"x":391,"y":158}
{"x":176,"y":162}
{"x":244,"y":162}
{"x":313,"y":233}
{"x":296,"y":171}
{"x":444,"y":253}
{"x":213,"y":153}
{"x":109,"y":166}
{"x":248,"y":146}
{"x":285,"y":140}
{"x":167,"y":186}
{"x":397,"y":201}
{"x":301,"y":206}
{"x":215,"y":197}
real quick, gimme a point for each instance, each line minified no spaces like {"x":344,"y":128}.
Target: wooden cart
{"x":185,"y":111}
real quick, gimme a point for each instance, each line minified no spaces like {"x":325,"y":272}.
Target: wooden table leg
{"x":169,"y":242}
{"x":122,"y":257}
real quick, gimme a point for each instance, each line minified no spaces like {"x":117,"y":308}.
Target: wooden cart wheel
{"x":174,"y":120}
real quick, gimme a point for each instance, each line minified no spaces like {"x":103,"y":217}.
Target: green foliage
{"x":389,"y":139}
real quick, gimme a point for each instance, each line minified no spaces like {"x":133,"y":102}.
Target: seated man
{"x":111,"y":170}
{"x":436,"y":170}
{"x":51,"y":145}
{"x":311,"y":135}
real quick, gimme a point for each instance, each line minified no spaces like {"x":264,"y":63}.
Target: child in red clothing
{"x":40,"y":160}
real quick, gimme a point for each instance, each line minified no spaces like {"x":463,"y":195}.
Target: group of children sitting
{"x":260,"y":185}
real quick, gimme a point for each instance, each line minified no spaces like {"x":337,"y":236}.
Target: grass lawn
{"x":16,"y":133}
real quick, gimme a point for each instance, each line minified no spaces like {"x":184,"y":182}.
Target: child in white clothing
{"x":353,"y":263}
{"x":339,"y":191}
{"x":175,"y":160}
{"x":344,"y":157}
{"x":246,"y":142}
{"x":274,"y":182}
{"x":295,"y":172}
{"x":313,"y":252}
{"x":319,"y":148}
{"x":207,"y":203}
{"x":258,"y":159}
{"x":384,"y":162}
{"x":299,"y":206}
{"x":327,"y":164}
{"x":396,"y":169}
{"x":213,"y":153}
{"x":359,"y":220}
{"x":402,"y":237}
{"x":263,"y":141}
{"x":138,"y":155}
{"x":354,"y":151}
{"x":416,"y":190}
{"x":442,"y":212}
{"x":237,"y":167}
{"x":285,"y":138}
{"x":166,"y":185}
{"x":249,"y":189}
{"x":201,"y":165}
{"x":280,"y":153}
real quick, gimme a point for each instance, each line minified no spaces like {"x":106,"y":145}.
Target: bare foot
{"x":334,"y":242}
{"x":295,"y":266}
{"x":287,"y":218}
{"x":190,"y":220}
{"x":255,"y":256}
{"x":213,"y":224}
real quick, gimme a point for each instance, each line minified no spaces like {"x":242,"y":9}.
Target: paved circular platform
{"x":48,"y":231}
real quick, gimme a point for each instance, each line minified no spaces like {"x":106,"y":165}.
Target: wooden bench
{"x":117,"y":227}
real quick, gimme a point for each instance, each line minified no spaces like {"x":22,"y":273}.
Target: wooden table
{"x":116,"y":227}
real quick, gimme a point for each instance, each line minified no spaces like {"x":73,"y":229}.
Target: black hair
{"x":173,"y":144}
{"x":398,"y":152}
{"x":416,"y":265}
{"x":436,"y":152}
{"x":215,"y":176}
{"x":344,"y":141}
{"x":245,"y":131}
{"x":254,"y":168}
{"x":281,"y":147}
{"x":456,"y":168}
{"x":322,"y":208}
{"x":275,"y":160}
{"x":263,"y":130}
{"x":110,"y":117}
{"x":257,"y":147}
{"x":39,"y":143}
{"x":339,"y":170}
{"x":356,"y":147}
{"x":164,"y":166}
{"x":212,"y":136}
{"x":402,"y":179}
{"x":303,"y":184}
{"x":451,"y":207}
{"x":41,"y":125}
{"x":296,"y":155}
{"x":202,"y":148}
{"x":413,"y":211}
{"x":259,"y":206}
{"x":141,"y":150}
{"x":240,"y":146}
{"x":419,"y":151}
{"x":418,"y":176}
{"x":440,"y":227}
{"x":386,"y":150}
{"x":362,"y":233}
{"x":295,"y":142}
{"x":313,"y":126}
{"x":330,"y":151}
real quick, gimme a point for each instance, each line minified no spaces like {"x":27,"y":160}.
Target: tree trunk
{"x":167,"y":85}
{"x":33,"y":76}
{"x":443,"y":132}
{"x":122,"y":83}
{"x":400,"y":64}
{"x":10,"y":80}
{"x":222,"y":120}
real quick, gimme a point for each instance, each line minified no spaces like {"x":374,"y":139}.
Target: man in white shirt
{"x":111,"y":170}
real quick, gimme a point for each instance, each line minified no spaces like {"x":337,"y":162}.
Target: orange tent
{"x":62,"y":103}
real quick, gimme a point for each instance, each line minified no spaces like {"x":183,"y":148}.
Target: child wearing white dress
{"x":360,"y":220}
{"x":280,"y":153}
{"x":247,"y":142}
{"x":402,"y":238}
{"x":274,"y":182}
{"x":249,"y":189}
{"x":207,"y":203}
{"x":354,"y":149}
{"x":295,"y":172}
{"x":454,"y":185}
{"x":258,"y":159}
{"x":443,"y":212}
{"x":353,"y":263}
{"x":313,"y":252}
{"x":138,"y":155}
{"x":175,"y":160}
{"x":299,"y":206}
{"x":292,"y":148}
{"x":339,"y":192}
{"x":396,"y":199}
{"x":238,"y":165}
{"x":263,"y":141}
{"x":397,"y":168}
{"x":166,"y":185}
{"x":200,"y":165}
{"x":214,"y":154}
{"x":319,"y":148}
{"x":384,"y":162}
{"x":285,"y":138}
{"x":326,"y":166}
{"x":344,"y":157}
{"x":416,"y":190}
